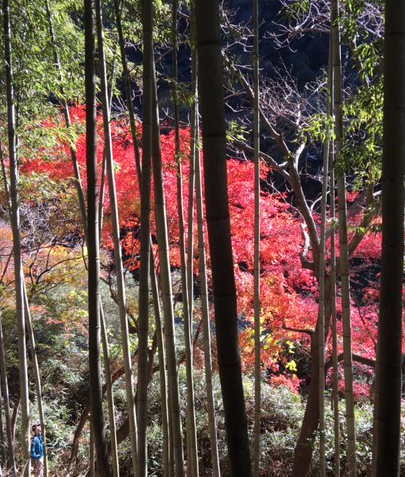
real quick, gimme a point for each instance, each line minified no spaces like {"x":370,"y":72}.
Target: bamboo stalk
{"x":6,"y":404}
{"x":257,"y":304}
{"x":191,"y":435}
{"x":343,"y":242}
{"x":37,"y":373}
{"x":166,"y":287}
{"x":15,"y":225}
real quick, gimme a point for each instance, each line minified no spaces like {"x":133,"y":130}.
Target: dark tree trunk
{"x":96,"y":397}
{"x":257,"y":303}
{"x":304,"y":446}
{"x":108,"y":164}
{"x":186,"y":279}
{"x":143,"y":321}
{"x":166,"y":288}
{"x":389,"y":359}
{"x":15,"y":226}
{"x":214,"y":142}
{"x":6,"y":405}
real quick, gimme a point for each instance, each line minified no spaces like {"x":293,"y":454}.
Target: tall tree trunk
{"x":343,"y":242}
{"x":196,"y":166}
{"x":304,"y":447}
{"x":15,"y":225}
{"x":333,"y":265}
{"x":216,"y":472}
{"x":14,"y":417}
{"x":256,"y":116}
{"x":347,"y":334}
{"x":167,"y":472}
{"x":389,"y":358}
{"x":335,"y":390}
{"x":322,"y":276}
{"x":3,"y":366}
{"x":217,"y":210}
{"x":106,"y":349}
{"x":166,"y":287}
{"x":6,"y":404}
{"x":322,"y":309}
{"x":143,"y":320}
{"x":191,"y":176}
{"x":191,"y":434}
{"x":109,"y":160}
{"x":92,"y":454}
{"x":110,"y":396}
{"x":96,"y":398}
{"x":127,"y":91}
{"x":37,"y":373}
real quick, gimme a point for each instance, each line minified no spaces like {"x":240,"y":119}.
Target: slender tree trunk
{"x":116,"y":231}
{"x":333,"y":265}
{"x":162,"y":375}
{"x":258,"y":377}
{"x":216,"y":472}
{"x":15,"y":225}
{"x":37,"y":373}
{"x":14,"y":417}
{"x":322,"y":279}
{"x":102,"y":191}
{"x":343,"y":242}
{"x":191,"y":178}
{"x":110,"y":396}
{"x":322,"y":307}
{"x":143,"y":320}
{"x":191,"y":435}
{"x":96,"y":398}
{"x":3,"y":366}
{"x":127,"y":91}
{"x":389,"y":357}
{"x":166,"y":287}
{"x":335,"y":390}
{"x":92,"y":456}
{"x":217,"y":210}
{"x":347,"y":340}
{"x":107,"y":355}
{"x":304,"y":446}
{"x":6,"y":404}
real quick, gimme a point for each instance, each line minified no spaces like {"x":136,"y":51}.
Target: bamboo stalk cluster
{"x":210,"y":210}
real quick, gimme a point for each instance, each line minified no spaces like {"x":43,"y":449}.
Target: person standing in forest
{"x":37,"y":450}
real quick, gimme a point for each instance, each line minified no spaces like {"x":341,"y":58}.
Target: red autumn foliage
{"x":289,"y":293}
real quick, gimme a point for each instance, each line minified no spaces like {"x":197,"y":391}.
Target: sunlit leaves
{"x":289,"y":292}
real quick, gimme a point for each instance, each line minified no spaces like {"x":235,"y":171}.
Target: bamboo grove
{"x":202,"y":238}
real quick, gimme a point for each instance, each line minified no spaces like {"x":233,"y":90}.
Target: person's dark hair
{"x":34,"y":427}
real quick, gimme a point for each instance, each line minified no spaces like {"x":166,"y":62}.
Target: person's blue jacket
{"x":37,"y":447}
